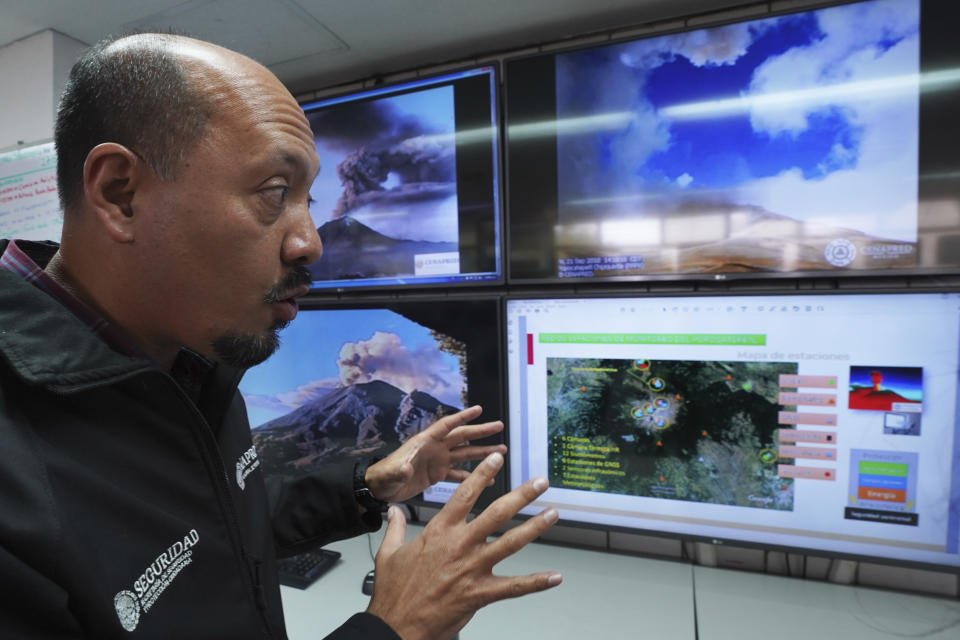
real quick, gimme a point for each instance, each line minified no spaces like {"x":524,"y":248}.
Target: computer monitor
{"x":820,"y":142}
{"x":408,"y":189}
{"x":353,"y":381}
{"x":824,"y":423}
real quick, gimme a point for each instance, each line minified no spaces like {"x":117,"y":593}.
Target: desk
{"x":608,"y":595}
{"x":602,"y":593}
{"x":735,"y":605}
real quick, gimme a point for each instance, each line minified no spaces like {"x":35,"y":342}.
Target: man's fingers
{"x":462,"y":454}
{"x":464,"y":434}
{"x":505,"y":507}
{"x":395,"y":533}
{"x":518,"y":537}
{"x":516,"y":586}
{"x":442,"y":427}
{"x":457,"y":475}
{"x":465,"y":495}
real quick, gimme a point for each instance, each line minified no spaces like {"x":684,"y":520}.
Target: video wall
{"x":491,"y":236}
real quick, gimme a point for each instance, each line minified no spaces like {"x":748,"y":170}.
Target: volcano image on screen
{"x":350,"y":384}
{"x":387,"y":191}
{"x":351,"y":249}
{"x":880,"y":388}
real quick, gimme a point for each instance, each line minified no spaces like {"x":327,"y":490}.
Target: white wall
{"x":66,"y":50}
{"x":32,"y":74}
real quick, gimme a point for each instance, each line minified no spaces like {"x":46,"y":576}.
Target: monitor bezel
{"x":405,"y":85}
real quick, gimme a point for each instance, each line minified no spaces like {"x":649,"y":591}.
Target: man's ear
{"x":111,"y":175}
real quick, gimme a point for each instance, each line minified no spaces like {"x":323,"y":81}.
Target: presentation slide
{"x":817,"y":422}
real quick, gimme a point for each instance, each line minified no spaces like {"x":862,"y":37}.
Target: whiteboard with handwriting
{"x":29,"y":208}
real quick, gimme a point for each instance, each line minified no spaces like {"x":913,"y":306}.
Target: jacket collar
{"x":48,"y":345}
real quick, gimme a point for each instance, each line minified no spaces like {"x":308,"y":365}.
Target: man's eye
{"x":276,"y":195}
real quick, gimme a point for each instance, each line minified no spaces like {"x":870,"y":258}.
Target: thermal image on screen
{"x":350,"y":383}
{"x":680,"y":430}
{"x":788,"y":143}
{"x":387,"y":185}
{"x":886,"y":388}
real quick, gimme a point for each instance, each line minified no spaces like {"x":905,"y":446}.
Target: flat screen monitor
{"x":354,"y":381}
{"x":821,"y":142}
{"x":821,"y":423}
{"x":408,"y":189}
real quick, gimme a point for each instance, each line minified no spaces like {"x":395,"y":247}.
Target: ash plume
{"x":381,"y":143}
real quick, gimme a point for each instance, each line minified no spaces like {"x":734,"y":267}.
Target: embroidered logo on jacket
{"x":128,"y":609}
{"x":132,"y":604}
{"x":246,"y":464}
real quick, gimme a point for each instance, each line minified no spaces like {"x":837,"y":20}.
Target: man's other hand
{"x":430,"y":587}
{"x":429,"y":456}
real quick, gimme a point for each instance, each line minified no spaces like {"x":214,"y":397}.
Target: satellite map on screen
{"x":674,"y":429}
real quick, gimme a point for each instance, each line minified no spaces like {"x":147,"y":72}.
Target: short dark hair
{"x":137,"y":95}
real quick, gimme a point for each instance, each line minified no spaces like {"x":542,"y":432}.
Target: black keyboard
{"x":301,"y":571}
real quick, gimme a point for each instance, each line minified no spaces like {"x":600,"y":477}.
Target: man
{"x":184,"y":171}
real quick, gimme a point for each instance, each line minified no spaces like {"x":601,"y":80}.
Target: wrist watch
{"x":361,"y":492}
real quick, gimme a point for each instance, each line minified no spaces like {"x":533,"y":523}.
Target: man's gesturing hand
{"x":426,"y":458}
{"x":430,"y":587}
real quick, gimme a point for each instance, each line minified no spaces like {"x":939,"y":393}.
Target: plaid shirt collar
{"x":24,"y":257}
{"x":21,"y":258}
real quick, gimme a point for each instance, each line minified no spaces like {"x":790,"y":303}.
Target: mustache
{"x":298,"y":277}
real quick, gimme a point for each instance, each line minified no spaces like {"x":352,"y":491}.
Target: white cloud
{"x":270,"y":403}
{"x":284,"y":402}
{"x":702,"y":47}
{"x":878,"y":193}
{"x":620,"y":89}
{"x":847,"y":53}
{"x":684,"y":180}
{"x":306,"y":392}
{"x":385,"y":357}
{"x":853,"y":199}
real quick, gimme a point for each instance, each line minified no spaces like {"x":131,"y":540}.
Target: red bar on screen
{"x":529,"y":348}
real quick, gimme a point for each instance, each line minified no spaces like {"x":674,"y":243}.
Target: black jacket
{"x":127,"y":510}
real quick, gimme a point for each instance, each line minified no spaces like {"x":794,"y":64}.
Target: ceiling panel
{"x":312,"y":44}
{"x":283,"y":33}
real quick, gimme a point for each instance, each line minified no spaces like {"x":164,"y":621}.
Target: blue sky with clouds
{"x":726,"y":151}
{"x":840,"y":147}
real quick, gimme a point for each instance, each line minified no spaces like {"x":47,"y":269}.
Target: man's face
{"x":227,"y":241}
